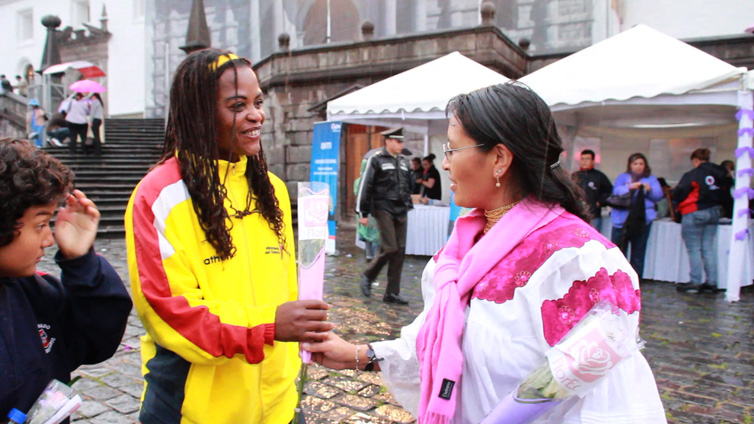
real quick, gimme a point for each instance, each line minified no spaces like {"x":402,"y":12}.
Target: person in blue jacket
{"x":50,"y":326}
{"x":638,"y":174}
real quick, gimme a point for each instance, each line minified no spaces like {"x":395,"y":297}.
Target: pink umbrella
{"x":87,"y":86}
{"x":88,"y":69}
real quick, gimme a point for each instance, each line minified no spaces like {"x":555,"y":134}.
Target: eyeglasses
{"x":449,"y":152}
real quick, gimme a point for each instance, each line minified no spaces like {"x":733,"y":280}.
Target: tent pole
{"x":426,"y":145}
{"x":739,"y":249}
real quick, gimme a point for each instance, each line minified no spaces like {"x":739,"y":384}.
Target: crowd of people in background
{"x":699,"y":200}
{"x":635,"y":201}
{"x":21,"y":88}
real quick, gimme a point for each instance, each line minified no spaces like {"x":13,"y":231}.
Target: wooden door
{"x":359,"y":140}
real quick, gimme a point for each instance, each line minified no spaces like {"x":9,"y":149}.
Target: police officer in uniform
{"x":385,"y":193}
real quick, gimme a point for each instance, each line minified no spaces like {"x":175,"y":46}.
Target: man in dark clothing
{"x":7,"y":86}
{"x":698,"y":197}
{"x":50,"y":326}
{"x":595,"y":184}
{"x":385,"y":192}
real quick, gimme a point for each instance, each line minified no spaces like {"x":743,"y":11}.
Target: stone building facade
{"x":251,"y":27}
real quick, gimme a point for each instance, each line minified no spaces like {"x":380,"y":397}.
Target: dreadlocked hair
{"x":190,"y":138}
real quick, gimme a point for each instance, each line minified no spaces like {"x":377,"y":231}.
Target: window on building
{"x":25,"y":25}
{"x":80,"y":12}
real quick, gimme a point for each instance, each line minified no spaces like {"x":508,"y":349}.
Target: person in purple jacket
{"x":638,"y":174}
{"x":50,"y":326}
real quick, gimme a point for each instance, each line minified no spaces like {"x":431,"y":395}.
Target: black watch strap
{"x":372,"y":357}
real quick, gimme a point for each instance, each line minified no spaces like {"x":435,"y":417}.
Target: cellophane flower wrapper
{"x":56,"y":403}
{"x":313,"y":208}
{"x":599,"y":342}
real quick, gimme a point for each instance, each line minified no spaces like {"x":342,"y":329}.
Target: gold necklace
{"x":495,"y":215}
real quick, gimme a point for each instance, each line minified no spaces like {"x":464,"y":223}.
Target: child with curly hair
{"x":50,"y":326}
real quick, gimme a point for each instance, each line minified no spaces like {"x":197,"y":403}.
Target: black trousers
{"x":97,"y":145}
{"x":392,"y":249}
{"x":77,"y":131}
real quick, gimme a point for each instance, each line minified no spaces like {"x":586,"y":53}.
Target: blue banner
{"x":324,"y":168}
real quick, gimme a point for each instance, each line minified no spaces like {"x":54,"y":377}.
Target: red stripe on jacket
{"x":689,"y":204}
{"x":197,"y":324}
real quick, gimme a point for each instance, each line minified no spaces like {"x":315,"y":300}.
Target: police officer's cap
{"x":396,"y":133}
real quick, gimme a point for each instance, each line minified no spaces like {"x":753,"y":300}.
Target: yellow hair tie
{"x":221,"y":60}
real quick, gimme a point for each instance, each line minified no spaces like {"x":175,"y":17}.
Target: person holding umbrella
{"x":76,"y":119}
{"x":97,"y":113}
{"x":79,"y":109}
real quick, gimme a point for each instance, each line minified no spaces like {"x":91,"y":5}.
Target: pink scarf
{"x":461,"y":265}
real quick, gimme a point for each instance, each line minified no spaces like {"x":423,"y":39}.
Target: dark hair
{"x":28,"y":177}
{"x":96,"y":96}
{"x":192,"y":133}
{"x":702,"y":154}
{"x":512,"y":114}
{"x":430,"y":158}
{"x":632,"y":158}
{"x":588,"y":152}
{"x":416,"y":160}
{"x":18,"y":76}
{"x":727,"y":162}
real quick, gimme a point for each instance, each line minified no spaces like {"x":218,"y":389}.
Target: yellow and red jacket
{"x":209,"y":354}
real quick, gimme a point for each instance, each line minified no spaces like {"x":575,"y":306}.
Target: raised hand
{"x":76,"y":225}
{"x":302,"y":321}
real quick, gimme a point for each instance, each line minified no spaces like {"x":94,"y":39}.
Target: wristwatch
{"x":372,"y":359}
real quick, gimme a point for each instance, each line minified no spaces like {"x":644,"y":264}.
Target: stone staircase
{"x":132,"y":146}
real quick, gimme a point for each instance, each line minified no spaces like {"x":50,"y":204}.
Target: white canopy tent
{"x":642,"y":83}
{"x":414,"y":99}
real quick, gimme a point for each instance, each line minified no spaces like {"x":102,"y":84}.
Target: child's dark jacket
{"x":49,"y":327}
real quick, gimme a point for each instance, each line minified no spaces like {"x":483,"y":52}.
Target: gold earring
{"x":497,"y":178}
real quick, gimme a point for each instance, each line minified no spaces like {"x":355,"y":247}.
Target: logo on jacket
{"x":592,"y":185}
{"x":710,"y":181}
{"x":47,"y":341}
{"x":212,"y":259}
{"x":272,"y":250}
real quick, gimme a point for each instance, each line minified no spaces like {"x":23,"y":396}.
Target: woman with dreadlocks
{"x":211,"y":258}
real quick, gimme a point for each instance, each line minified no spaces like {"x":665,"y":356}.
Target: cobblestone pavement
{"x":700,"y":348}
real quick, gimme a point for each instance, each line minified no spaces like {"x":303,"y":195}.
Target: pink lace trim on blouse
{"x":515,"y":269}
{"x":559,"y":316}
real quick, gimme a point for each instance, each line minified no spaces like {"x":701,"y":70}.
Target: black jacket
{"x":701,"y":188}
{"x":436,"y":191}
{"x":385,"y":185}
{"x":50,"y":327}
{"x":597,"y":188}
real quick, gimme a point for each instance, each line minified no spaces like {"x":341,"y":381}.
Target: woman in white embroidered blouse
{"x":517,"y":273}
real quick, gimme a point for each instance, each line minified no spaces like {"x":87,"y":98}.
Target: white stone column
{"x":256,"y":46}
{"x":420,"y":14}
{"x":390,"y":11}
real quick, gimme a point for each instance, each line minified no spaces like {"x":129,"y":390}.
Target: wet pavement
{"x":700,"y":348}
